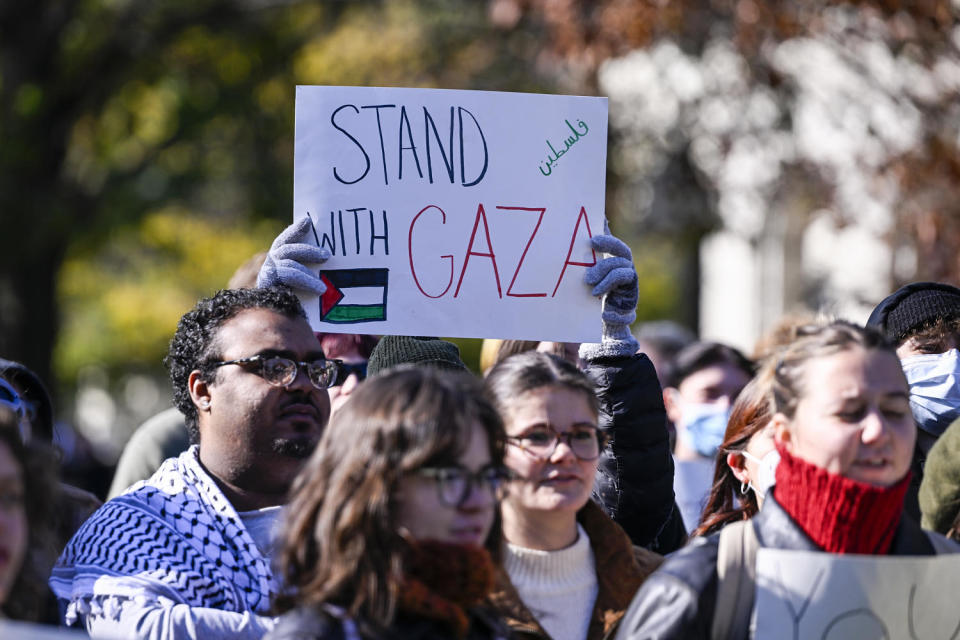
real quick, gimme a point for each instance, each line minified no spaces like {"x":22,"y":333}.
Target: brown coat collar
{"x":621,"y":569}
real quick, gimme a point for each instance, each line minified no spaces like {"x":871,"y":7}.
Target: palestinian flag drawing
{"x":354,"y":295}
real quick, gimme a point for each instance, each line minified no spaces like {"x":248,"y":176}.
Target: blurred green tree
{"x":144,"y":143}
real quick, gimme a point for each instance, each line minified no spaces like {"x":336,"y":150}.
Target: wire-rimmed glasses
{"x":281,"y":372}
{"x":586,"y":442}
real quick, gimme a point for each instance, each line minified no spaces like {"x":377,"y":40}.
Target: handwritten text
{"x":568,"y":142}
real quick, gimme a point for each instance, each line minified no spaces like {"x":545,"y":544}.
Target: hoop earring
{"x":744,"y":488}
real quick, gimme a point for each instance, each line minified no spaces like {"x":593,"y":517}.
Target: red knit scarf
{"x":443,"y":580}
{"x":839,"y":514}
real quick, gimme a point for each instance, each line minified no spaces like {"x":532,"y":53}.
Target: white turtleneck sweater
{"x":558,"y":587}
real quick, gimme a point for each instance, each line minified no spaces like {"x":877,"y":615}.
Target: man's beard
{"x":299,"y":447}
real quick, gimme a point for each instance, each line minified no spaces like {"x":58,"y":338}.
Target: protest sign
{"x":823,"y":596}
{"x":452,"y":213}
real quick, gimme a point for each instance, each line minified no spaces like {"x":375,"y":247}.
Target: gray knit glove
{"x":287,"y":259}
{"x":615,"y":278}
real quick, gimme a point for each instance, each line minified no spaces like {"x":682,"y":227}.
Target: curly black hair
{"x":192,"y":347}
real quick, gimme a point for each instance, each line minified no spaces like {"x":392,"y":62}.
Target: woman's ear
{"x":736,"y":463}
{"x":199,"y":390}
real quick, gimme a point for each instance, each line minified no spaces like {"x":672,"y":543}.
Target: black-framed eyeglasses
{"x":455,"y":484}
{"x":281,"y":372}
{"x":585,"y":442}
{"x":348,"y":369}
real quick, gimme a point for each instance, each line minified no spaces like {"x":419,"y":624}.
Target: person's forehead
{"x":722,"y":373}
{"x":853,"y":372}
{"x":254,"y":330}
{"x":553,"y":404}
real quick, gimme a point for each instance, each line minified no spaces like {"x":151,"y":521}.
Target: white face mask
{"x":766,"y":471}
{"x":934,"y":389}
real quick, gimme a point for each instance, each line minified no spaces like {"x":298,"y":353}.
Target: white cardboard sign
{"x":823,"y":596}
{"x":452,"y":213}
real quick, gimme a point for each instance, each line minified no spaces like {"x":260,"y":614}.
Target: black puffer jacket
{"x":634,"y":483}
{"x":678,"y":601}
{"x":308,"y":623}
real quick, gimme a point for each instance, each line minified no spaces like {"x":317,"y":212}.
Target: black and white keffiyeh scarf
{"x":174,"y":538}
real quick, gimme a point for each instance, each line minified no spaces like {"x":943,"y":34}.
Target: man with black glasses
{"x":186,"y":553}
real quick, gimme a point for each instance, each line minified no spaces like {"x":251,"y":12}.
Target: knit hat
{"x":940,"y":489}
{"x":395,"y":350}
{"x":912,"y":306}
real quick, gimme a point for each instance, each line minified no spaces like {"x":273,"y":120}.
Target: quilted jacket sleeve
{"x":634,"y":482}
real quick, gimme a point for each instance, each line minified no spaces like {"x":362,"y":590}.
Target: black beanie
{"x":913,"y":306}
{"x":395,"y":350}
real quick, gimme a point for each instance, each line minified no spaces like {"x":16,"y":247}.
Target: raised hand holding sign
{"x":287,"y":259}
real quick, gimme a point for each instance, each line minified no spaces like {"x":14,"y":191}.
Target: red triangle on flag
{"x":330,"y":297}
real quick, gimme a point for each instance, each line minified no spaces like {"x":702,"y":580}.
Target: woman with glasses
{"x":392,"y":529}
{"x":569,"y":570}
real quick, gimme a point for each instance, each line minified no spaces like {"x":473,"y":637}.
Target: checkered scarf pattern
{"x":174,"y":538}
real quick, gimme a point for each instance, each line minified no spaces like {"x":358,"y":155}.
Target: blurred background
{"x":765,"y":157}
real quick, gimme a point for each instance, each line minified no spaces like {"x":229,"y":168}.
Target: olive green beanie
{"x":940,"y":489}
{"x":396,"y":350}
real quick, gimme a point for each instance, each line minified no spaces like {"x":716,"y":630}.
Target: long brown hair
{"x":340,"y":543}
{"x":750,"y":414}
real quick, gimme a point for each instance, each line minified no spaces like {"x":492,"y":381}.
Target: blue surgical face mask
{"x":704,"y":426}
{"x":766,"y":472}
{"x":934,"y":392}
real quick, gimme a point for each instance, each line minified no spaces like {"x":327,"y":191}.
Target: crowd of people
{"x":335,"y":486}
